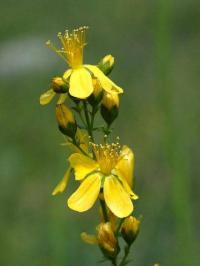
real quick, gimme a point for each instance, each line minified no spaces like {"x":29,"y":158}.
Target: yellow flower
{"x":79,"y":75}
{"x":105,"y":171}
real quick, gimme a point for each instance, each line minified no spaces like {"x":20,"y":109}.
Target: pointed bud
{"x":130,"y":229}
{"x":66,"y":121}
{"x":59,"y":85}
{"x":97,"y":94}
{"x":106,"y":64}
{"x":110,"y":107}
{"x":107,"y":240}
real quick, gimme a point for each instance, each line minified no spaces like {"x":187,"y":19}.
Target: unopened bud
{"x":66,"y":121}
{"x":97,"y":94}
{"x":107,"y":240}
{"x":59,"y":85}
{"x":110,"y":107}
{"x":106,"y":64}
{"x":130,"y":229}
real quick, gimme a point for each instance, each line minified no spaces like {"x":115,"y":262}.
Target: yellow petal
{"x":107,"y":84}
{"x":63,"y":183}
{"x":67,"y":74}
{"x":126,"y":165}
{"x":82,"y":165}
{"x":87,"y":193}
{"x":80,"y":83}
{"x":127,"y":187}
{"x":62,"y":98}
{"x":117,"y":199}
{"x":46,"y":97}
{"x":89,"y":239}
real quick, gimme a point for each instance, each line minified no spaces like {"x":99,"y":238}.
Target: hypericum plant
{"x":102,"y":171}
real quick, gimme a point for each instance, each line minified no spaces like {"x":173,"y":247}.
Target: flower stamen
{"x":107,"y":156}
{"x":72,"y":46}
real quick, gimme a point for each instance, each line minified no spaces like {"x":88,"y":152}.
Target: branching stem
{"x":126,"y":253}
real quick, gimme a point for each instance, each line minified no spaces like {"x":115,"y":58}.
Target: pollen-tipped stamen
{"x":72,"y":46}
{"x":107,"y":155}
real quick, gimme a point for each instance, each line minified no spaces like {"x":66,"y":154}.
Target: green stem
{"x":114,"y":263}
{"x":88,"y":120}
{"x":81,"y":117}
{"x":107,"y":130}
{"x":75,"y":143}
{"x":92,"y":117}
{"x":119,"y":226}
{"x":104,"y":210}
{"x":126,"y":253}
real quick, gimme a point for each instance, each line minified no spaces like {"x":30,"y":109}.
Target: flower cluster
{"x":102,"y":171}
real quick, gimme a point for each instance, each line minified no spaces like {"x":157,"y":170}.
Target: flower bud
{"x":66,"y":121}
{"x":107,"y":240}
{"x":97,"y":94}
{"x":106,"y":64}
{"x":130,"y":229}
{"x":110,"y":107}
{"x":59,"y":85}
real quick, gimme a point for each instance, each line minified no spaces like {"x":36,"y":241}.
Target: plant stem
{"x":107,"y":130}
{"x":89,"y":128}
{"x":119,"y":226}
{"x":92,"y":117}
{"x":103,"y":207}
{"x":75,"y":143}
{"x":81,"y":117}
{"x":114,"y":263}
{"x":126,"y":253}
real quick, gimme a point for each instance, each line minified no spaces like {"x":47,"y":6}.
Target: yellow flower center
{"x":72,"y":46}
{"x":107,"y":156}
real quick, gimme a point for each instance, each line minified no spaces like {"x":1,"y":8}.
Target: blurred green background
{"x":156,"y":46}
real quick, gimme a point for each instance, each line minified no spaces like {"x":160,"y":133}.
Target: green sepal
{"x":70,"y":130}
{"x":109,"y":115}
